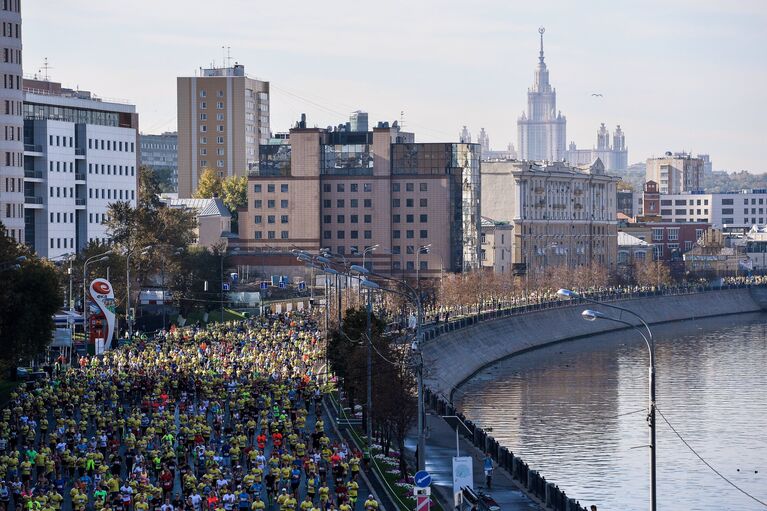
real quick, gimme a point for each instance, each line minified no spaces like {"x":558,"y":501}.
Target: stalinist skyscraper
{"x":542,"y":129}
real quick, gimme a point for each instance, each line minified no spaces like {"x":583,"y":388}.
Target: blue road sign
{"x":302,"y":285}
{"x":283,"y":285}
{"x":422,"y":479}
{"x":264,"y":285}
{"x":225,"y":286}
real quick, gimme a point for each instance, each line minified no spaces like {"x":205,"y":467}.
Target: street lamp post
{"x":425,"y":249}
{"x":592,"y":315}
{"x":97,"y":259}
{"x":370,"y":285}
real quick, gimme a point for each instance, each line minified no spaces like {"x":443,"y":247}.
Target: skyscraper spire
{"x":541,"y":30}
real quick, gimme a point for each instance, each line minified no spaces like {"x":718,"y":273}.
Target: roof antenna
{"x":44,"y":70}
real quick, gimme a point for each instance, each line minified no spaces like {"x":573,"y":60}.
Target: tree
{"x":209,"y":185}
{"x":235,"y":190}
{"x":652,"y":273}
{"x":29,"y":297}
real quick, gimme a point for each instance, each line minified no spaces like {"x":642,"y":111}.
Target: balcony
{"x":79,"y":202}
{"x":33,"y":148}
{"x":79,"y":176}
{"x":35,"y":201}
{"x":79,"y":151}
{"x":33,"y":174}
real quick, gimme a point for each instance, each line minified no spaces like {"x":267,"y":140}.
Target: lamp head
{"x":356,"y":268}
{"x":591,"y":315}
{"x":369,"y":284}
{"x":100,"y":259}
{"x":304,"y":257}
{"x":323,"y":259}
{"x":566,"y":293}
{"x":330,"y":271}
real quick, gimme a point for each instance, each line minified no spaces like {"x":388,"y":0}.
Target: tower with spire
{"x":542,"y":129}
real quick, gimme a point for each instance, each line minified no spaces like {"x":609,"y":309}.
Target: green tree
{"x":209,"y":185}
{"x":29,"y":297}
{"x":235,"y":196}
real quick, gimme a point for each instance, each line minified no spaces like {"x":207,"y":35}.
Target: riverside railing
{"x":501,"y":309}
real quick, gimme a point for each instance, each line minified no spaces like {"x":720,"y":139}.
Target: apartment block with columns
{"x":560,"y":214}
{"x":348,"y":191}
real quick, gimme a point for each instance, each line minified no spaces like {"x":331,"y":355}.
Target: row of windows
{"x":204,"y":128}
{"x":11,"y":81}
{"x":204,"y":151}
{"x":150,"y":145}
{"x":14,"y":210}
{"x":12,"y":133}
{"x":204,"y":117}
{"x":270,"y":219}
{"x":731,"y":202}
{"x":409,"y":203}
{"x":11,"y":30}
{"x":14,"y":159}
{"x":97,"y":218}
{"x":219,"y":164}
{"x":271,"y":235}
{"x":754,"y":221}
{"x":204,"y":105}
{"x":65,"y":245}
{"x":111,"y":145}
{"x":12,"y":107}
{"x":353,"y":187}
{"x":353,"y":203}
{"x":353,"y":219}
{"x":61,"y":218}
{"x":204,"y":93}
{"x":342,"y":234}
{"x":11,"y":56}
{"x":10,"y":184}
{"x":61,"y":191}
{"x":111,"y":170}
{"x":204,"y":140}
{"x":410,"y":234}
{"x":108,"y":193}
{"x":258,"y":203}
{"x":270,"y":188}
{"x":60,"y":166}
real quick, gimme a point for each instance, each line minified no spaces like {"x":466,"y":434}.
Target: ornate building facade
{"x":542,"y":129}
{"x":614,"y":156}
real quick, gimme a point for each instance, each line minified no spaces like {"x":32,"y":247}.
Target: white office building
{"x":11,"y":122}
{"x":80,"y":155}
{"x":735,"y":211}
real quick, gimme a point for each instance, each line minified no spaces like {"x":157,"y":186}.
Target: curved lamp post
{"x":592,"y":315}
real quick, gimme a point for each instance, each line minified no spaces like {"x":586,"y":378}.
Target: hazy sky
{"x":675,"y":74}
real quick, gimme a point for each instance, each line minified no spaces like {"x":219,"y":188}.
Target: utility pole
{"x":369,"y":376}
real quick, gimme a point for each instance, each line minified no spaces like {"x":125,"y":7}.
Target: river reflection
{"x":576,"y":412}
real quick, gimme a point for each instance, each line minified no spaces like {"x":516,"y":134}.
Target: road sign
{"x":302,"y":285}
{"x":264,"y":285}
{"x":283,"y":285}
{"x":422,"y":479}
{"x":225,"y":286}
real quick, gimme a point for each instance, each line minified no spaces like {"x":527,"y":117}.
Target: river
{"x":576,"y":412}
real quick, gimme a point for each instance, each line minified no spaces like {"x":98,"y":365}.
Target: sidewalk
{"x":440,"y":449}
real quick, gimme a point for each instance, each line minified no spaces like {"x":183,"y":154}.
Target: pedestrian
{"x":488,"y":468}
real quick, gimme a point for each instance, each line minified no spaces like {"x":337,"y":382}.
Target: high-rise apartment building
{"x":160,"y":153}
{"x":561,"y":215}
{"x":676,"y":173}
{"x":347,"y":191}
{"x":80,"y":155}
{"x":223,"y":117}
{"x":542,"y":130}
{"x":11,"y":122}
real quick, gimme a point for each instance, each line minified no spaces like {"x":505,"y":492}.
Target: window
{"x":270,"y":188}
{"x":326,"y":203}
{"x":368,"y":219}
{"x":368,"y":187}
{"x":673,"y":233}
{"x":257,"y":188}
{"x":422,"y":187}
{"x":355,"y":235}
{"x":368,"y":235}
{"x":657,"y":251}
{"x":395,"y":203}
{"x":409,"y":219}
{"x":258,"y":203}
{"x":284,"y":188}
{"x":270,"y":235}
{"x":423,"y":234}
{"x":326,"y":187}
{"x":354,"y":219}
{"x":680,"y":211}
{"x":395,"y":219}
{"x":339,"y":203}
{"x":326,"y":219}
{"x":270,"y":219}
{"x":220,"y":105}
{"x":395,"y":187}
{"x":340,"y":235}
{"x":257,"y":219}
{"x":395,"y":234}
{"x":270,"y":203}
{"x":340,"y":187}
{"x":698,"y":234}
{"x":424,"y":203}
{"x":284,"y":203}
{"x":284,"y":235}
{"x":409,"y":203}
{"x":728,"y":221}
{"x":326,"y":235}
{"x":423,"y":218}
{"x":368,"y":203}
{"x":410,"y":234}
{"x":410,"y":265}
{"x":354,"y":203}
{"x":340,"y":219}
{"x":353,"y":187}
{"x":203,"y":105}
{"x":687,"y":245}
{"x":657,"y":234}
{"x":727,"y":211}
{"x":409,"y":187}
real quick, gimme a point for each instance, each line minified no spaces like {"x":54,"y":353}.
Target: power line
{"x":741,"y":490}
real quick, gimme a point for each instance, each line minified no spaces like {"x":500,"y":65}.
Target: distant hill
{"x":718,"y":182}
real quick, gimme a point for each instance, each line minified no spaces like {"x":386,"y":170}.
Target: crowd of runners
{"x":223,"y":418}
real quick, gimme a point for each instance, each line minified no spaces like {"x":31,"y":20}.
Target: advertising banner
{"x":103,"y":297}
{"x":463,"y":473}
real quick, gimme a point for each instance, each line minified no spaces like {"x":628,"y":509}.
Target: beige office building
{"x":561,"y":215}
{"x":223,"y":117}
{"x":676,"y":173}
{"x":350,"y":190}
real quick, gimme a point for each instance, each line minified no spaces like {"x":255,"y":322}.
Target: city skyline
{"x":653,"y":64}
